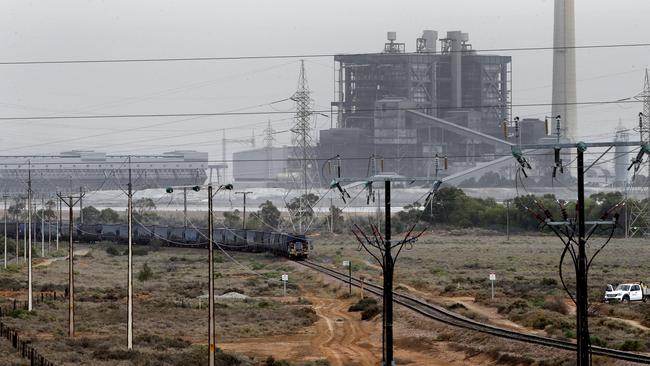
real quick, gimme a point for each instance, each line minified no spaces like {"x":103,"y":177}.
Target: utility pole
{"x":388,"y":279}
{"x":81,"y":205}
{"x":569,"y":228}
{"x":58,"y":223}
{"x":245,"y":193}
{"x":42,"y":227}
{"x":25,"y":241}
{"x":5,"y":214}
{"x":211,"y":320}
{"x":582,"y":331}
{"x":507,"y":219}
{"x":129,"y":326}
{"x":71,"y":202}
{"x":385,"y":245}
{"x":185,"y":207}
{"x":331,"y":215}
{"x":29,"y":228}
{"x":211,"y":325}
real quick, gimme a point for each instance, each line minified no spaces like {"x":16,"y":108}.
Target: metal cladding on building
{"x":95,"y":171}
{"x":405,"y":107}
{"x":267,"y":164}
{"x":564,"y":67}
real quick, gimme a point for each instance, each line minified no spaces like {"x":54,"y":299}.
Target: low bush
{"x":139,"y":251}
{"x":111,"y":250}
{"x":20,"y":314}
{"x":632,"y":345}
{"x":597,"y":341}
{"x":557,"y":305}
{"x":367,"y":306}
{"x":548,"y":282}
{"x":145,"y":273}
{"x":457,"y":305}
{"x":116,"y":354}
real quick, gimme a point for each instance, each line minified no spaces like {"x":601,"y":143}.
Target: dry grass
{"x":169,"y":318}
{"x":528,"y":288}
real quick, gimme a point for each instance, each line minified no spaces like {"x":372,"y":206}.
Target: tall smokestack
{"x":564,"y":67}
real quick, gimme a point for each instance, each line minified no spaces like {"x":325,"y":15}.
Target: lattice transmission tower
{"x":303,"y":164}
{"x":639,"y":208}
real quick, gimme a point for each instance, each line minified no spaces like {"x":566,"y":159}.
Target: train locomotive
{"x":288,"y":245}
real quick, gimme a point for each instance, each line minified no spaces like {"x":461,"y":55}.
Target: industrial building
{"x":267,"y":166}
{"x":406,"y":107}
{"x":94,"y":171}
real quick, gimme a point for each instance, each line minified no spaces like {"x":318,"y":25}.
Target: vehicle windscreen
{"x":297,"y":245}
{"x":623,"y":288}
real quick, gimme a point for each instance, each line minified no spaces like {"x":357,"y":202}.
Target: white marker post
{"x":493,"y":277}
{"x":347,"y":264}
{"x":285,"y":278}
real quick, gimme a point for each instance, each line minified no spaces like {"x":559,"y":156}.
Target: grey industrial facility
{"x":263,"y":166}
{"x":404,"y":108}
{"x":92,"y":170}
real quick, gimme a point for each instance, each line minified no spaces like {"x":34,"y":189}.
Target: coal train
{"x":288,"y":245}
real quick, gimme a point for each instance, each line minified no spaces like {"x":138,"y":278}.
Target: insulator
{"x":381,"y":165}
{"x":446,"y":161}
{"x":329,"y":167}
{"x":505,"y":130}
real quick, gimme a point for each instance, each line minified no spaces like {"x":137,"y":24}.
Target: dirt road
{"x":338,"y":336}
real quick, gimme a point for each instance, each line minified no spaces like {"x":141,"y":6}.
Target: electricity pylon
{"x":639,"y":208}
{"x":303,"y":160}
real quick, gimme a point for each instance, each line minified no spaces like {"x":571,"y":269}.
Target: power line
{"x":161,"y":161}
{"x":315,"y":55}
{"x":207,"y":114}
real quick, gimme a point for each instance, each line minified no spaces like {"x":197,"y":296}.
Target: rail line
{"x":448,"y":317}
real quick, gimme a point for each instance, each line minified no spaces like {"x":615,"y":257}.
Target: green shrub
{"x":549,"y":282}
{"x":457,"y":305}
{"x":116,"y":354}
{"x":597,"y":341}
{"x":155,"y":244}
{"x":362,"y":304}
{"x":218,"y":258}
{"x":367,"y":306}
{"x":632,"y":345}
{"x":139,"y":251}
{"x":111,"y":250}
{"x":557,"y":305}
{"x":145,"y":273}
{"x":20,"y":314}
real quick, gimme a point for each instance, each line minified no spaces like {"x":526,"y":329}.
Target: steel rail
{"x":448,"y":317}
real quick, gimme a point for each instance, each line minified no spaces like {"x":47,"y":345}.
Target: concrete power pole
{"x":5,"y":217}
{"x":72,"y":200}
{"x":81,"y":206}
{"x":244,"y":220}
{"x":129,"y":330}
{"x":42,"y":227}
{"x":29,"y":237}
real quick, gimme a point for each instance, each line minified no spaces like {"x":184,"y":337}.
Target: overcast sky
{"x":63,"y":29}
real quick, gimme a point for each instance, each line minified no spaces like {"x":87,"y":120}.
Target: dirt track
{"x":339,"y":336}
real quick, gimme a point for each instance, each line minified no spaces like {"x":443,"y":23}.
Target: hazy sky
{"x":64,"y":29}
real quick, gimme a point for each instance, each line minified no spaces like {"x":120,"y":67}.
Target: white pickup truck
{"x":626,"y":292}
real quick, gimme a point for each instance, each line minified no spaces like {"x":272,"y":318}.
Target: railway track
{"x":443,"y":315}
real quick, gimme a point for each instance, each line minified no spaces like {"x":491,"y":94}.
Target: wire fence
{"x":22,"y":346}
